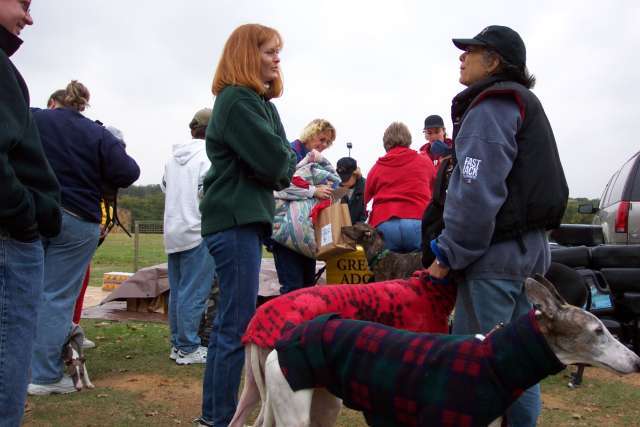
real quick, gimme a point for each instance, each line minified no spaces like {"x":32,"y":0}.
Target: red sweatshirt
{"x":400,"y":185}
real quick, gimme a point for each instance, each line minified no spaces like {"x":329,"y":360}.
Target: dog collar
{"x":376,"y":259}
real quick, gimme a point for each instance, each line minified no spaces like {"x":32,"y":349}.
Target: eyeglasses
{"x":473,"y":49}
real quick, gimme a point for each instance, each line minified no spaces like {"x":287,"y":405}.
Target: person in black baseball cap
{"x":435,"y":133}
{"x":345,"y":168}
{"x":501,"y":51}
{"x":503,"y":40}
{"x":351,"y":176}
{"x":506,"y":190}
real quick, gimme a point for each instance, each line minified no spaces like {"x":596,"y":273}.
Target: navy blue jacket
{"x":85,"y":157}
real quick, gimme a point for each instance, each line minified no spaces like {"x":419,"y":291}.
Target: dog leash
{"x":377,"y":258}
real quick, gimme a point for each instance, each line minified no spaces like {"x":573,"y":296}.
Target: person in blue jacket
{"x":86,"y":158}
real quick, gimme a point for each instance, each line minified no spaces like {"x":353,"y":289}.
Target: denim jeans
{"x":190,"y":278}
{"x":66,"y":258}
{"x":401,"y":235}
{"x":480,"y":305}
{"x":21,"y":272}
{"x":237,"y":253}
{"x":294,"y":270}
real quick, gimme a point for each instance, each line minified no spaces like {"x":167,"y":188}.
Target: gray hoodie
{"x":486,"y":149}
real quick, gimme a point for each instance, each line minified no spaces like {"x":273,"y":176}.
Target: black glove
{"x":432,"y":225}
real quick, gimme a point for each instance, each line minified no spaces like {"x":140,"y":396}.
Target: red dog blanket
{"x":415,"y":304}
{"x":400,"y":378}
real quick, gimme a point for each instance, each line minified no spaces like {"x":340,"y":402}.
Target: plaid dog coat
{"x":399,"y":378}
{"x":414,"y":304}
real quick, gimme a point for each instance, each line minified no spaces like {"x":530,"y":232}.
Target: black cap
{"x":503,"y":40}
{"x":346,"y":167}
{"x":433,"y":121}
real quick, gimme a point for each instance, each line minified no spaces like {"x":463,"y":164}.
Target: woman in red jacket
{"x":400,"y":186}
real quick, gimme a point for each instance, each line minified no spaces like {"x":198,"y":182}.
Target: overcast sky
{"x":359,"y":64}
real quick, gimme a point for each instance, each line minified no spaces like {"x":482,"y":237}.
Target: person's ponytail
{"x":76,"y":96}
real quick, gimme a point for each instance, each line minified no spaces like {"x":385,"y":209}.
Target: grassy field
{"x":137,"y":384}
{"x":117,"y":252}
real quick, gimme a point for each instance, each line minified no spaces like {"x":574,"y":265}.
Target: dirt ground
{"x":180,"y":398}
{"x":603,"y":375}
{"x":177,"y":400}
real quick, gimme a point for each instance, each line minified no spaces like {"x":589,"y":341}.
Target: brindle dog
{"x":384,"y":264}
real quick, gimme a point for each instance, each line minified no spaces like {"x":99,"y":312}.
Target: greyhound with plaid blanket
{"x":399,"y":378}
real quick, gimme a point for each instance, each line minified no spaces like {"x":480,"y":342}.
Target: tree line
{"x":146,"y":202}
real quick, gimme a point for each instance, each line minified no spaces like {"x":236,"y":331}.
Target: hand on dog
{"x":438,"y":271}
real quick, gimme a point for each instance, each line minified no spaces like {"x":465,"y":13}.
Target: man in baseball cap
{"x":349,"y":172}
{"x":200,"y":119}
{"x":345,"y":168}
{"x":509,"y":176}
{"x":191,"y":269}
{"x":435,"y":133}
{"x":501,"y":39}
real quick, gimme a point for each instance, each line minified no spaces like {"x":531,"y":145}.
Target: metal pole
{"x":136,"y":245}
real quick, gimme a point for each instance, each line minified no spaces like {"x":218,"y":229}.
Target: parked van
{"x":619,"y":209}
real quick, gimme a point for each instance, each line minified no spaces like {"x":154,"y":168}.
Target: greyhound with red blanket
{"x":415,"y":304}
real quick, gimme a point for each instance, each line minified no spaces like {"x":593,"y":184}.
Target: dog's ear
{"x":67,"y":353}
{"x":543,"y":299}
{"x":550,"y":287}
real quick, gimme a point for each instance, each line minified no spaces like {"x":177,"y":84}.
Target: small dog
{"x":402,"y":378}
{"x":74,"y":360}
{"x":414,"y":304}
{"x":384,"y":264}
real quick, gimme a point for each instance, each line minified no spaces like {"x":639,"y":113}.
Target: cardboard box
{"x":113,"y":279}
{"x":159,"y":304}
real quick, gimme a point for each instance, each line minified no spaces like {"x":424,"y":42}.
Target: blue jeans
{"x":191,"y":275}
{"x":480,"y":305}
{"x":66,"y":257}
{"x":401,"y":235}
{"x":294,"y":270}
{"x":21,"y":272}
{"x":237,"y":253}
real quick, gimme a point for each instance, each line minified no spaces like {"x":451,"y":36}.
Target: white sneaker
{"x":64,"y":386}
{"x":200,"y":422}
{"x":173,"y":355}
{"x":198,"y":356}
{"x":87,"y":343}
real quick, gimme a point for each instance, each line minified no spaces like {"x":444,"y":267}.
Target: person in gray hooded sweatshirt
{"x":191,"y":267}
{"x":506,"y":190}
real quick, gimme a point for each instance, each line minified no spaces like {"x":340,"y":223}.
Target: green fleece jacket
{"x":250,"y":158}
{"x":29,"y":191}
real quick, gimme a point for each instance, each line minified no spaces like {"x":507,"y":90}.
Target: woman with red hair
{"x":250,"y":158}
